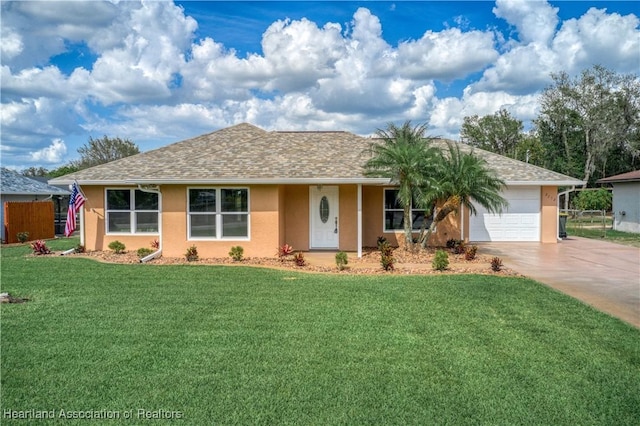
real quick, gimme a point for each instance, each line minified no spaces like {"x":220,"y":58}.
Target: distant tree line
{"x":93,"y":153}
{"x":588,"y":127}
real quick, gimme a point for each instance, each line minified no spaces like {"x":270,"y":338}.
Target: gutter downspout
{"x":359,"y":219}
{"x":462,"y":222}
{"x":158,"y":252}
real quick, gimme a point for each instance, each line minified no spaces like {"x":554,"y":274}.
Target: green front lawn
{"x":608,"y":234}
{"x":237,"y":345}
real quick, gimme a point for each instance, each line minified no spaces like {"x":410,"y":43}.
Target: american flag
{"x":75,"y":203}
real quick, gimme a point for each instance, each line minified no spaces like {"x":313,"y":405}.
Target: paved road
{"x":602,"y":274}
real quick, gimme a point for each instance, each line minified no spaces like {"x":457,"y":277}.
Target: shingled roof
{"x":16,"y":184}
{"x":624,"y":177}
{"x":247,"y":154}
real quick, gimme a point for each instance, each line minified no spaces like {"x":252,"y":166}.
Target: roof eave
{"x":292,"y":181}
{"x":33,"y":193}
{"x":618,"y":181}
{"x":544,"y":182}
{"x":272,"y":181}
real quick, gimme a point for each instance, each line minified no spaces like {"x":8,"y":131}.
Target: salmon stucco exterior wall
{"x":549,"y":214}
{"x":348,"y":221}
{"x":265,"y":224}
{"x":373,"y":222}
{"x":296,"y":216}
{"x":279,"y":214}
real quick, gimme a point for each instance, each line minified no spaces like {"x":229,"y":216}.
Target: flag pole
{"x":82,"y":226}
{"x":81,"y":213}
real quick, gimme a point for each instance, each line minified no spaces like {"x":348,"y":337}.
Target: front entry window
{"x":131,"y":211}
{"x":394,"y":213}
{"x":324,"y":209}
{"x":218,"y":213}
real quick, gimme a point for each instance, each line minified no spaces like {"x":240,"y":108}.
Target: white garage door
{"x":520,"y":222}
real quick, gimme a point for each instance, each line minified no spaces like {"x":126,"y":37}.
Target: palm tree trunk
{"x":425,"y":238}
{"x":408,"y":225}
{"x":451,"y":205}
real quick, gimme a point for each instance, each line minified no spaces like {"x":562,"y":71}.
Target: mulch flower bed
{"x":406,"y":262}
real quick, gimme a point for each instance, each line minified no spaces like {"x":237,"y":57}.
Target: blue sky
{"x":159,"y":72}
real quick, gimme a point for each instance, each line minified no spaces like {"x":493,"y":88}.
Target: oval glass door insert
{"x":324,"y":209}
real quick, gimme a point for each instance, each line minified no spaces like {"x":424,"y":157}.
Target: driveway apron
{"x":601,"y":274}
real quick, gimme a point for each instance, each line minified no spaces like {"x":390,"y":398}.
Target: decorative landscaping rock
{"x":7,"y":298}
{"x":406,"y":263}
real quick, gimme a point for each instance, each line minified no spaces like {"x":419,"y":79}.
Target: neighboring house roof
{"x":247,"y":154}
{"x":15,"y":184}
{"x":624,"y":177}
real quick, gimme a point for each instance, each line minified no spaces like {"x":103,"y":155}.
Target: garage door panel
{"x":520,"y":222}
{"x":511,"y":219}
{"x":522,"y":206}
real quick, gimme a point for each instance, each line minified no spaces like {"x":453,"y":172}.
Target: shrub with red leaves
{"x":40,"y":247}
{"x":285,"y":251}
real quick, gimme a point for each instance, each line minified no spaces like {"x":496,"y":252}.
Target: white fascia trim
{"x":36,"y":194}
{"x":297,"y":181}
{"x":544,"y":182}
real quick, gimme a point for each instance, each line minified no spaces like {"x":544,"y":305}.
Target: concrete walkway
{"x":602,"y":274}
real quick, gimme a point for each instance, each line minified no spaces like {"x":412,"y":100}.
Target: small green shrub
{"x":144,"y":251}
{"x":381,"y":240}
{"x":117,"y":246}
{"x":470,"y":252}
{"x":341,"y":260}
{"x":440,"y":261}
{"x":40,"y":247}
{"x":23,"y":237}
{"x":80,"y":249}
{"x":299,"y":259}
{"x":496,"y":264}
{"x":192,"y":254}
{"x":386,"y":256}
{"x":236,"y":253}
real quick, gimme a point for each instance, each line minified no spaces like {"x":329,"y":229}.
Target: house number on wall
{"x":324,"y":209}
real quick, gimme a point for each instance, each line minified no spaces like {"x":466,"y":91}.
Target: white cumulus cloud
{"x":54,"y":153}
{"x":152,"y":75}
{"x":535,"y":21}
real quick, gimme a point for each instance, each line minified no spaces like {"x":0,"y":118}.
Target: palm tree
{"x":404,"y":155}
{"x":461,"y":178}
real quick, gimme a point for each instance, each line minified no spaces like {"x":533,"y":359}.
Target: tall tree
{"x":35,"y":172}
{"x":586,"y":119}
{"x":530,"y":150}
{"x":63,"y":170}
{"x":100,"y":151}
{"x":405,"y":156}
{"x":463,"y":179}
{"x":499,"y":133}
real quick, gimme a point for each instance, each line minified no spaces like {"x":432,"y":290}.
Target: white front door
{"x":324,"y":213}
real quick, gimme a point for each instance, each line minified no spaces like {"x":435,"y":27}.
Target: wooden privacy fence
{"x":34,"y":217}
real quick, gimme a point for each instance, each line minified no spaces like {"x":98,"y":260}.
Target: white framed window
{"x":218,"y":213}
{"x":394,"y":213}
{"x":131,"y":211}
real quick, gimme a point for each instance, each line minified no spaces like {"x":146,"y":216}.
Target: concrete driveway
{"x":602,"y":274}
